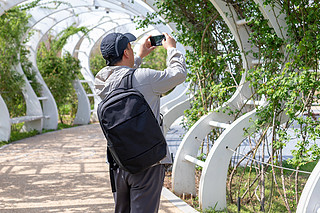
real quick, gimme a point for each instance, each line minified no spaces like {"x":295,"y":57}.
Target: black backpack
{"x":135,"y":141}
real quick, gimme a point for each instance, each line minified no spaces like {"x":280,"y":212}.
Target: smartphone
{"x":157,"y":40}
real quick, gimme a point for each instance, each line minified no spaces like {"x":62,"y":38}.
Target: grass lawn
{"x":250,"y":202}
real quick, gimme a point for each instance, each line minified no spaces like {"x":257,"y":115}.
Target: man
{"x":139,"y":192}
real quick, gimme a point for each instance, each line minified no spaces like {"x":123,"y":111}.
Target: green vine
{"x":291,"y":78}
{"x":13,"y":27}
{"x":59,"y":72}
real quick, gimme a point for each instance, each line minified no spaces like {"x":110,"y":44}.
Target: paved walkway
{"x":62,"y":171}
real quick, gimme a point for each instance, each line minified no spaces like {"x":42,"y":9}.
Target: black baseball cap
{"x":113,"y":45}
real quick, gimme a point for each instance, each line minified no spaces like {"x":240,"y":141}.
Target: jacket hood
{"x":108,"y":79}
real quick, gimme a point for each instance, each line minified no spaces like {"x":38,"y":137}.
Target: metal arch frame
{"x":49,"y":105}
{"x":42,"y":13}
{"x":5,"y":5}
{"x":139,"y":6}
{"x":180,"y":90}
{"x":34,"y":11}
{"x":35,"y":115}
{"x":34,"y":43}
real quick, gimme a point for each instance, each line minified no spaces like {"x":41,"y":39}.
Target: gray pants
{"x":138,"y":193}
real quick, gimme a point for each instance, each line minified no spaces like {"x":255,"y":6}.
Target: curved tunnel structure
{"x":104,"y":16}
{"x":56,"y":18}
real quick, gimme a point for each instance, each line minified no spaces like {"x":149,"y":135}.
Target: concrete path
{"x":62,"y":171}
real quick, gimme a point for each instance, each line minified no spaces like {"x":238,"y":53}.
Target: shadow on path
{"x":62,"y":171}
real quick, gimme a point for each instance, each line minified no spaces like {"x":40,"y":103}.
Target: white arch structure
{"x":309,"y":200}
{"x":212,"y":188}
{"x":83,"y":116}
{"x":54,"y":17}
{"x":213,"y":179}
{"x":62,"y":22}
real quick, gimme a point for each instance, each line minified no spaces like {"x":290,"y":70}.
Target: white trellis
{"x":44,"y":19}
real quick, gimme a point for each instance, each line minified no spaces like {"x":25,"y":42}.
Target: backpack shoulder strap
{"x":126,"y":81}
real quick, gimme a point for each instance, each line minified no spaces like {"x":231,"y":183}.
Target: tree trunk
{"x":283,"y":184}
{"x":296,"y":185}
{"x":262,"y":179}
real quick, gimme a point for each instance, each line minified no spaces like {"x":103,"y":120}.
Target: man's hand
{"x":169,"y":42}
{"x":146,"y":48}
